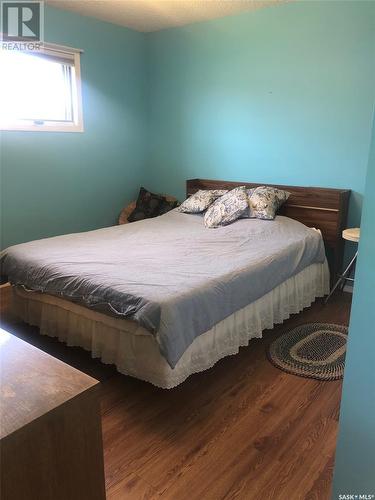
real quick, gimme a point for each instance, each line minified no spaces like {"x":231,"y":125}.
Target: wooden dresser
{"x":51,"y":441}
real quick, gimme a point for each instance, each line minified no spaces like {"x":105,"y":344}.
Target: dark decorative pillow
{"x":200,"y":200}
{"x":265,"y":201}
{"x":227,"y":208}
{"x":150,"y":205}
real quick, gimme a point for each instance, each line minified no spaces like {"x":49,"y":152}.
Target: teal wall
{"x":355,"y":454}
{"x":53,"y":183}
{"x":283,"y":94}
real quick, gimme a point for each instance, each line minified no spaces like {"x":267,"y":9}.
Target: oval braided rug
{"x":314,"y":350}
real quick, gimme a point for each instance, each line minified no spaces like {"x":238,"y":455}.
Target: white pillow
{"x":228,"y":208}
{"x":265,"y":201}
{"x":200,"y":201}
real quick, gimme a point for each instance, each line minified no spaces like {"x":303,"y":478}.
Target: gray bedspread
{"x":170,"y":274}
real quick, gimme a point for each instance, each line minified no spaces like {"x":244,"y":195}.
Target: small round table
{"x":351,"y":234}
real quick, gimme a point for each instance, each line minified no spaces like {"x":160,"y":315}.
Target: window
{"x":41,"y":90}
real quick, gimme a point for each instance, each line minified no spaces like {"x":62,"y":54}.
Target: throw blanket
{"x":170,"y":274}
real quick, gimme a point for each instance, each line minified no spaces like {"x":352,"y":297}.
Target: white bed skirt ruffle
{"x":135,"y":351}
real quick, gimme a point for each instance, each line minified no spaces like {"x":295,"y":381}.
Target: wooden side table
{"x":352,"y":234}
{"x":50,"y":436}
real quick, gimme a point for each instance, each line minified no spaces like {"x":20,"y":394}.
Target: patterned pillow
{"x":200,"y":201}
{"x":227,"y":208}
{"x":265,"y":201}
{"x":247,"y":213}
{"x":150,"y":205}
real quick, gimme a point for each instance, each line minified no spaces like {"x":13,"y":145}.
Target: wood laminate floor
{"x":241,"y":430}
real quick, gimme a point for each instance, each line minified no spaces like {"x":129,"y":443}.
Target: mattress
{"x":134,"y":350}
{"x":170,"y":275}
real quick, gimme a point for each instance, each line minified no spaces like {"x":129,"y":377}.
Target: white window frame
{"x":58,"y":51}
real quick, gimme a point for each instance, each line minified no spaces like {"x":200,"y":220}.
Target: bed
{"x":166,"y":297}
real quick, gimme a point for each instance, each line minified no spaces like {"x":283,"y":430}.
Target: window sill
{"x":41,"y":128}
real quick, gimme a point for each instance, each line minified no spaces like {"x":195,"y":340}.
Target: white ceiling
{"x":154,"y":15}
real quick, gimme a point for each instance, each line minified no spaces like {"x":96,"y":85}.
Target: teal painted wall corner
{"x":282,"y":94}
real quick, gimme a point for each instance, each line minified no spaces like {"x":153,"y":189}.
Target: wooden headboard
{"x":323,"y":208}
